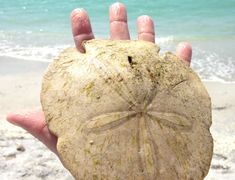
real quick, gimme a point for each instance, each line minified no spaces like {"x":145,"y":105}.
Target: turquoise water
{"x":38,"y":30}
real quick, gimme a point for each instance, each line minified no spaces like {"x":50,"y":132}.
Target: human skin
{"x":33,"y":121}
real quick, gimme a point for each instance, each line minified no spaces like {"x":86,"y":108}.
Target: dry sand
{"x":24,"y":157}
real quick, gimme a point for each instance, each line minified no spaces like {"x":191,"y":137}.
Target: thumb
{"x":34,"y":122}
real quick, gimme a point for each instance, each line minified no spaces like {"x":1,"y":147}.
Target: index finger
{"x":81,"y":28}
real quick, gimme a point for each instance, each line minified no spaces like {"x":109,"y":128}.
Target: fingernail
{"x":116,"y":8}
{"x":11,"y":118}
{"x":77,"y":11}
{"x":116,"y":5}
{"x":145,"y":24}
{"x":118,"y":12}
{"x":145,"y":18}
{"x":25,"y":113}
{"x":184,"y":51}
{"x":182,"y":45}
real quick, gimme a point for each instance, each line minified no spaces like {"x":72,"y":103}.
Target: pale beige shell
{"x":122,"y":111}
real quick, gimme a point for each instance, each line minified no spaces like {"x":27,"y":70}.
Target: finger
{"x":34,"y":122}
{"x":81,"y":28}
{"x":145,"y":28}
{"x":184,"y":52}
{"x":118,"y":22}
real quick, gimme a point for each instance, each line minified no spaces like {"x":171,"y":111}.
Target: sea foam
{"x":210,"y":65}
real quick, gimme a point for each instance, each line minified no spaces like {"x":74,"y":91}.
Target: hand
{"x":34,"y":121}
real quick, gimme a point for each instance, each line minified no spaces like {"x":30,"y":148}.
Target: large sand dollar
{"x":122,"y":111}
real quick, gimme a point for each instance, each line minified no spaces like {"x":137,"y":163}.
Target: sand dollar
{"x":122,"y":111}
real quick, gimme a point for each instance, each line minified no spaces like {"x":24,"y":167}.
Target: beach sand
{"x":24,"y":157}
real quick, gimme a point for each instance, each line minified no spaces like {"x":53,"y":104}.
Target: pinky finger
{"x":184,"y":52}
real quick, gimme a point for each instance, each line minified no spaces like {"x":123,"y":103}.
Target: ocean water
{"x":39,"y":30}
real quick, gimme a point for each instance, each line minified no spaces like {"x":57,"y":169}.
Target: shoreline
{"x":12,"y":66}
{"x":23,"y":64}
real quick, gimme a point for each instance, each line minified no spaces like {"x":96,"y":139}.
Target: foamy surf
{"x":210,"y":65}
{"x":45,"y":53}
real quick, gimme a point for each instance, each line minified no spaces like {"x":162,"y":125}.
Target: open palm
{"x":34,"y":121}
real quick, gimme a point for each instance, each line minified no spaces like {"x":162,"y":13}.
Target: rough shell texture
{"x":122,"y":111}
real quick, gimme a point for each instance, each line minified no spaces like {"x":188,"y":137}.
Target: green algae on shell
{"x":122,"y":111}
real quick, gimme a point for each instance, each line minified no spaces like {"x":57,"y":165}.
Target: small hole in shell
{"x":130,"y":60}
